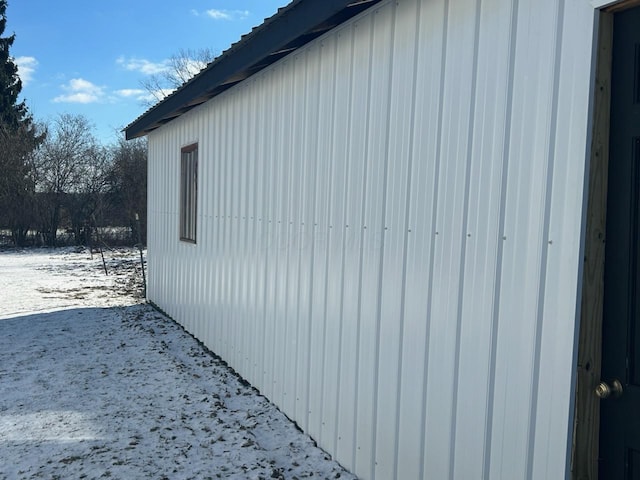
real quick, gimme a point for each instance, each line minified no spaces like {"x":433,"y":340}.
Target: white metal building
{"x":377,"y":213}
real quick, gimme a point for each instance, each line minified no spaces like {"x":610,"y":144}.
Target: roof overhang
{"x":289,"y":29}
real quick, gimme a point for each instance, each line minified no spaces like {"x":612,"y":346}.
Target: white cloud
{"x":142,"y":65}
{"x":143,"y":96}
{"x":130,"y":92}
{"x":227,"y":14}
{"x":79,"y":90}
{"x":26,"y":68}
{"x":136,"y":93}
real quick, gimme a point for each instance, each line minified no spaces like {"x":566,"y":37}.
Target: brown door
{"x":620,"y":390}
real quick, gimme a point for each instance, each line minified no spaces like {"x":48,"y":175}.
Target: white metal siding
{"x":389,"y":231}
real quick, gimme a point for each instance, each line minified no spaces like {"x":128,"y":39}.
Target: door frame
{"x":585,"y":451}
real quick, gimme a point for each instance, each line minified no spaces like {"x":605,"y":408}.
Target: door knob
{"x":604,"y":390}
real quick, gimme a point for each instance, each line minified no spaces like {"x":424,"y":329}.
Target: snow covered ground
{"x":95,"y":384}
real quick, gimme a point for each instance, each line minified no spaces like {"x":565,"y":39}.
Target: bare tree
{"x":181,"y":67}
{"x":87,"y":200}
{"x":67,"y":159}
{"x":128,"y":184}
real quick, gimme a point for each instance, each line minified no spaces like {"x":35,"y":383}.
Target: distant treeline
{"x":68,"y":182}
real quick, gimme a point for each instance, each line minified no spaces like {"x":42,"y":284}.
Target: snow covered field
{"x":95,"y":384}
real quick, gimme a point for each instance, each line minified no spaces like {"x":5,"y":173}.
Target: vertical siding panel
{"x":220,"y":229}
{"x":222,"y":233}
{"x":229,"y":246}
{"x":259,"y":245}
{"x":274,"y":225}
{"x":163,"y":225}
{"x":209,"y":184}
{"x":172,"y":220}
{"x":397,"y":189}
{"x":448,"y":282}
{"x":229,"y":207}
{"x":157,"y":150}
{"x":523,"y":243}
{"x":202,"y":226}
{"x":550,"y":163}
{"x":301,"y":121}
{"x":248,"y":262}
{"x":292,"y":132}
{"x":234,"y":154}
{"x":270,"y":191}
{"x":424,"y":190}
{"x":218,"y":266}
{"x":482,"y":232}
{"x":381,"y":32}
{"x":154,"y":235}
{"x":552,"y":438}
{"x":283,"y":101}
{"x":156,"y":245}
{"x":341,"y":50}
{"x":321,"y":233}
{"x":194,"y":270}
{"x":170,"y":214}
{"x":249,"y":252}
{"x":213,"y":193}
{"x":307,"y":270}
{"x":357,"y":153}
{"x":248,"y":170}
{"x":261,"y":237}
{"x":176,"y":273}
{"x":218,"y":160}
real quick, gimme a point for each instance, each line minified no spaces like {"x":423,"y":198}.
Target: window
{"x":188,"y":192}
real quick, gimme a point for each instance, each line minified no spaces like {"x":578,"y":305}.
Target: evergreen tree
{"x":18,"y":140}
{"x":12,"y":113}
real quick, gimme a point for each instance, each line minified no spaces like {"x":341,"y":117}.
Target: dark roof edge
{"x":293,"y":25}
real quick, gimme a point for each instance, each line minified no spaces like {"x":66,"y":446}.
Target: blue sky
{"x":87,"y":57}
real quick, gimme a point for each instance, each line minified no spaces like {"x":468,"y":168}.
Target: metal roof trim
{"x":289,"y":29}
